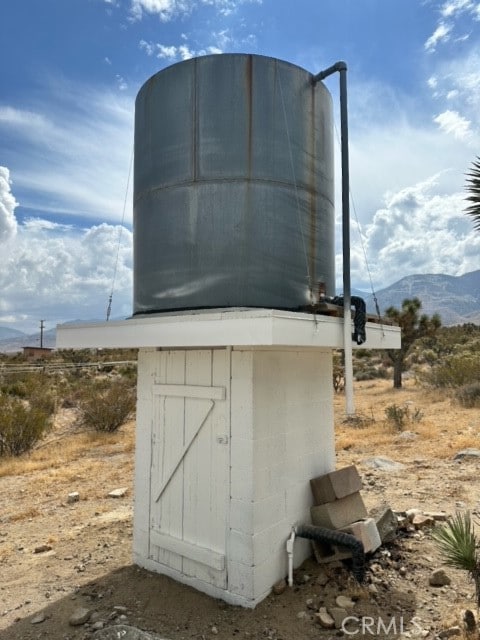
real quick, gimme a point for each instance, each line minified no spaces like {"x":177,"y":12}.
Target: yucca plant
{"x":473,"y":188}
{"x":458,"y":545}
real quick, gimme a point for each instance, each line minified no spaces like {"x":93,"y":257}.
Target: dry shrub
{"x":22,"y":425}
{"x":106,"y":405}
{"x":468,"y":395}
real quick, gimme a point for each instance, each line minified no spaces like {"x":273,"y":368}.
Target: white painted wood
{"x":168,"y":442}
{"x":239,"y":476}
{"x":189,"y":550}
{"x":260,"y":327}
{"x":176,"y":463}
{"x":189,"y":484}
{"x":189,"y":391}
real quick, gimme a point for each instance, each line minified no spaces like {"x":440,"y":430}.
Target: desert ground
{"x":58,"y":556}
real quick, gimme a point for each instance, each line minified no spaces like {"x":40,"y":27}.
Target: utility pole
{"x":42,"y":324}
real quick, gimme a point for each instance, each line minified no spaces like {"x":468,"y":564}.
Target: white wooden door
{"x":189,"y":488}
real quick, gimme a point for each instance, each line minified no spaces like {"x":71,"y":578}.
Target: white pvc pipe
{"x":290,"y":543}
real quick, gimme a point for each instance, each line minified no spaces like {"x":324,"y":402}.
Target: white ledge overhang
{"x":236,"y":328}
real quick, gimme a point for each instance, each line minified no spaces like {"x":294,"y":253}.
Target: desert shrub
{"x":469,"y":395}
{"x":22,"y":425}
{"x":106,"y":404}
{"x":455,"y":371}
{"x":399,"y":417}
{"x":37,"y":389}
{"x":371,"y":373}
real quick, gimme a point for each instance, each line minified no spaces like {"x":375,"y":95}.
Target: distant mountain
{"x":18,"y":340}
{"x":7,"y":333}
{"x":455,"y":298}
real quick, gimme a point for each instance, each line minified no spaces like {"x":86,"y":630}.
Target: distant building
{"x":37,"y":353}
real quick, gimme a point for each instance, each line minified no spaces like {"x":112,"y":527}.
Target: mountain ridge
{"x":455,"y":298}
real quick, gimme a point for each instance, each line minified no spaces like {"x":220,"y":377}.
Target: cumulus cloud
{"x":8,"y":204}
{"x":417,"y":231}
{"x":59,"y":273}
{"x":452,"y":122}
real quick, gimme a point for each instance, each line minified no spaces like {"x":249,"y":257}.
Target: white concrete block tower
{"x":233,"y":234}
{"x":231,"y":427}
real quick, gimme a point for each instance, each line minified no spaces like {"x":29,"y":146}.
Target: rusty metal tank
{"x":233,"y":186}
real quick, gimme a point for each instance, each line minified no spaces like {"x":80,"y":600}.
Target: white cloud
{"x":89,"y":137}
{"x":177,"y":52}
{"x":122,"y":85}
{"x":61,"y":274}
{"x":452,"y":7}
{"x":441,"y":34}
{"x":452,"y":122}
{"x":8,"y":204}
{"x":417,"y":231}
{"x":168,"y":10}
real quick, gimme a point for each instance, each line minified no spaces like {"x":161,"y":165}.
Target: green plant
{"x":458,"y":545}
{"x":456,"y":370}
{"x":398,"y":417}
{"x":22,"y":425}
{"x":106,"y":404}
{"x":469,"y":395}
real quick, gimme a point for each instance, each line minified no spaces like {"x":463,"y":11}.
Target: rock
{"x":448,"y":633}
{"x":322,"y":578}
{"x":387,"y":525}
{"x":407,"y":435}
{"x":279,"y":587}
{"x":325,"y":619}
{"x":384,"y":464}
{"x":344,"y":603}
{"x":438,"y":578}
{"x":124,"y":632}
{"x":118,"y":493}
{"x":38,"y":619}
{"x":439,"y":516}
{"x":467,"y":453}
{"x":411,"y":513}
{"x":301,"y":615}
{"x":214,"y":631}
{"x":42,"y":548}
{"x":79,"y":617}
{"x":420,"y":521}
{"x":338,"y":614}
{"x":73,"y":497}
{"x":469,"y":622}
{"x":98,"y":625}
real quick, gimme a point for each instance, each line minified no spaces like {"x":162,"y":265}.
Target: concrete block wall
{"x":281,"y":437}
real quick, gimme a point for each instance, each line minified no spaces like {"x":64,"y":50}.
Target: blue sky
{"x":69,"y":75}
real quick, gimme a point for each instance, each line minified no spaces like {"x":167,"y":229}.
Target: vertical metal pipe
{"x":341,"y":67}
{"x":347,"y":314}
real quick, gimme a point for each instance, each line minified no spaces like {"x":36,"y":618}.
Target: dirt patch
{"x":87,"y":561}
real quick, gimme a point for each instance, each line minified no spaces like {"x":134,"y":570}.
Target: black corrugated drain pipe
{"x":329,"y":536}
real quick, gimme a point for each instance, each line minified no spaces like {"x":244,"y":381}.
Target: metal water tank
{"x":233,"y":186}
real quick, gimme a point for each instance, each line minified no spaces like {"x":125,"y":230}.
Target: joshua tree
{"x":458,"y":545}
{"x":413,"y":327}
{"x":473,"y":188}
